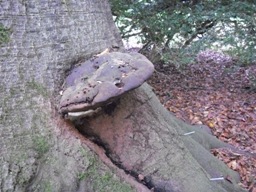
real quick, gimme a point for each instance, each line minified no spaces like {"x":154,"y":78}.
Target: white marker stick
{"x":217,"y":179}
{"x":189,"y":133}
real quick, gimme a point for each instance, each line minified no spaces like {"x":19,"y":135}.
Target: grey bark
{"x":143,"y":138}
{"x":45,"y":38}
{"x":40,"y":151}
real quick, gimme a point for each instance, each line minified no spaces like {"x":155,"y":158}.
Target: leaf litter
{"x":217,"y":92}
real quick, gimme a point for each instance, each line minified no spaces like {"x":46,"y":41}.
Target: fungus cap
{"x":102,"y":79}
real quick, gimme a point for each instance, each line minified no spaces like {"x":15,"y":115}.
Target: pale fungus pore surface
{"x":102,"y":79}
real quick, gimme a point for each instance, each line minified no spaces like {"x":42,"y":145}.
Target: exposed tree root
{"x":99,"y":148}
{"x":144,"y":140}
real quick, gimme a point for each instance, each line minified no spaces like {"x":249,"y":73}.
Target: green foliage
{"x":4,"y":34}
{"x":190,"y":26}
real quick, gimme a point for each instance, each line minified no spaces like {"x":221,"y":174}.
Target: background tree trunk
{"x":42,"y":152}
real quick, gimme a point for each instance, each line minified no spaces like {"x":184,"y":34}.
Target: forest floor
{"x":222,"y":96}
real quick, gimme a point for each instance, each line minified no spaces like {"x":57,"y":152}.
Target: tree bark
{"x":40,"y":151}
{"x":145,"y":140}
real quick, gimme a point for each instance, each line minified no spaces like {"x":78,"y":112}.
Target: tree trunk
{"x":40,"y":41}
{"x":145,"y":140}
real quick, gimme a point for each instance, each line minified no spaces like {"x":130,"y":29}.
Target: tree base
{"x":144,"y":139}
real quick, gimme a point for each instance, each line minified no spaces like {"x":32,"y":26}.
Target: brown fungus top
{"x":102,"y":79}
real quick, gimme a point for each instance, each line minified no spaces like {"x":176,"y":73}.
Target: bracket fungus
{"x":102,"y":79}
